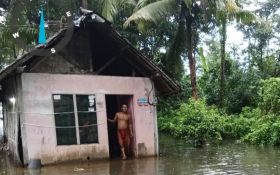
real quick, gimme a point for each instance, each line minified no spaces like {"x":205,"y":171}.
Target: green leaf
{"x":153,"y":12}
{"x":203,"y":59}
{"x":109,"y":9}
{"x":140,"y":4}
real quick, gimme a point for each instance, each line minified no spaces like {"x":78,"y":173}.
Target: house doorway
{"x":113,"y":105}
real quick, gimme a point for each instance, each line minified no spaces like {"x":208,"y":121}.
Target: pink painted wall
{"x":38,"y":119}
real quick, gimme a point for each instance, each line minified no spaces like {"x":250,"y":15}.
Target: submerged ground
{"x":175,"y":158}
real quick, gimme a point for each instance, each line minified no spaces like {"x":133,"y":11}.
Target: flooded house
{"x":55,"y":107}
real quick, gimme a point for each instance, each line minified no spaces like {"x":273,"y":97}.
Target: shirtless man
{"x":124,"y":129}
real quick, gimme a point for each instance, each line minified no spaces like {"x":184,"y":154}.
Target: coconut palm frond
{"x":220,"y":5}
{"x":124,"y":2}
{"x":109,"y":9}
{"x":140,"y":4}
{"x":173,"y":57}
{"x":152,"y":12}
{"x":144,"y":26}
{"x":245,"y":17}
{"x":227,"y":6}
{"x":231,"y":7}
{"x":132,"y":2}
{"x":188,"y":3}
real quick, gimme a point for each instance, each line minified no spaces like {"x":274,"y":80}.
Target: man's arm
{"x":114,"y":120}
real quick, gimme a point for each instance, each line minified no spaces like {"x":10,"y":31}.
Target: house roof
{"x":163,"y":82}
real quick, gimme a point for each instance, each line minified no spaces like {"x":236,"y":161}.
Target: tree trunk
{"x":223,"y":56}
{"x":261,"y":59}
{"x":250,"y":50}
{"x":190,"y":54}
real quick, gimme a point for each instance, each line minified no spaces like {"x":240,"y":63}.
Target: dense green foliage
{"x":240,"y":87}
{"x":265,"y":130}
{"x":193,"y":120}
{"x":198,"y":122}
{"x":270,"y":96}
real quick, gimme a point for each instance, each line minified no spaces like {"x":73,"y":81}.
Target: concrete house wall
{"x":38,"y":122}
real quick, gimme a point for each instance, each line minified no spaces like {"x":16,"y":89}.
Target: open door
{"x":113,"y":105}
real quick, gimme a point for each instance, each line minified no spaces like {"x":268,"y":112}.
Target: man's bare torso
{"x":123,"y":120}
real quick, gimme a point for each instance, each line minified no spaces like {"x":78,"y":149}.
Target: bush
{"x":237,"y":126}
{"x":265,"y":130}
{"x":194,"y":121}
{"x":266,"y":127}
{"x":270,"y":96}
{"x":199,"y":123}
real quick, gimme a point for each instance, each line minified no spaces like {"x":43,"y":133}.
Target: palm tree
{"x":187,"y":13}
{"x":226,"y":12}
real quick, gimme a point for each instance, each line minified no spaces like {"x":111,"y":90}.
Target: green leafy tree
{"x":262,"y":38}
{"x":241,"y":85}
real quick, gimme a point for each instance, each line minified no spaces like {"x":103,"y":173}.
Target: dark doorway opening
{"x":113,"y":105}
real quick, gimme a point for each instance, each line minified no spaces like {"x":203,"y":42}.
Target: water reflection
{"x":228,"y":158}
{"x":175,"y":158}
{"x":102,"y":167}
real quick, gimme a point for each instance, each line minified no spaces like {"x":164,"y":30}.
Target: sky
{"x":234,"y":36}
{"x":1,"y":17}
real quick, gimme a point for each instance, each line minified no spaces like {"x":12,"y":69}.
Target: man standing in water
{"x":124,"y":131}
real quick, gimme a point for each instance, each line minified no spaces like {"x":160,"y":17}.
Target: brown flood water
{"x":175,"y":158}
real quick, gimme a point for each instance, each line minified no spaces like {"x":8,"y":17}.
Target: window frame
{"x":75,"y":108}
